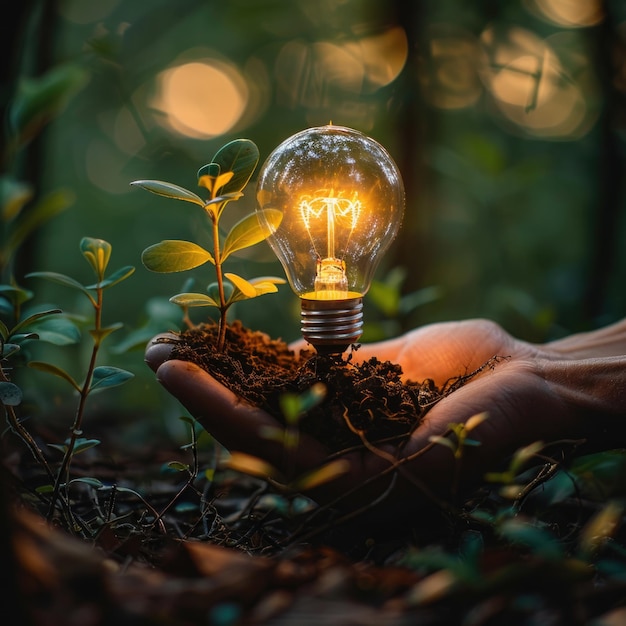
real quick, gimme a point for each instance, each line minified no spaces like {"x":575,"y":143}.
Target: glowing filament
{"x":338,"y":213}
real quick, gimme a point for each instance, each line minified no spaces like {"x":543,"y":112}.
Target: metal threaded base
{"x":331,"y":325}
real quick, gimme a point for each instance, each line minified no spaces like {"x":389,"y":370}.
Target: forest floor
{"x":151,"y":534}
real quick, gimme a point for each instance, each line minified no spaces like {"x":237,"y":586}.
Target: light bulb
{"x":342,"y":200}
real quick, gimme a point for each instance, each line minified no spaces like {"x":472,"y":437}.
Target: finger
{"x":237,"y":425}
{"x":444,"y":350}
{"x":521,"y":409}
{"x":159,"y":349}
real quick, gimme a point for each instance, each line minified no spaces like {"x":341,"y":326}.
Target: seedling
{"x":224,"y":178}
{"x":97,"y":252}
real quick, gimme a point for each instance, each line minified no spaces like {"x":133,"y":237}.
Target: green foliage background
{"x":500,"y":223}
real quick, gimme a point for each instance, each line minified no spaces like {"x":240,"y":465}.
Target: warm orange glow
{"x":382,"y":56}
{"x":201,"y":99}
{"x":321,"y":74}
{"x":531,"y":86}
{"x":569,"y":13}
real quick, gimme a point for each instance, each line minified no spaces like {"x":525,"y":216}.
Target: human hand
{"x":534,"y":393}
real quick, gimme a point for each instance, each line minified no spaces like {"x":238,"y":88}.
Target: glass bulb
{"x":342,"y":200}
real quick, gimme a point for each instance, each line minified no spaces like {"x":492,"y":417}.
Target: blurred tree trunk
{"x":27,"y":45}
{"x":21,"y":53}
{"x":610,"y":190}
{"x":415,"y":128}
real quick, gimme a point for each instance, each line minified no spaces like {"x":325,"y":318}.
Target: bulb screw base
{"x":331,"y":325}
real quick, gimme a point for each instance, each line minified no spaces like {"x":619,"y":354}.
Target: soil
{"x":170,"y":537}
{"x":368,"y":399}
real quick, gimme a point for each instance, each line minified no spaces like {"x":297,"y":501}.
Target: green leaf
{"x":247,"y":289}
{"x":322,"y":475}
{"x":45,"y":209}
{"x":61,"y":279}
{"x":215,"y":206}
{"x":84,"y":444}
{"x":97,"y":252}
{"x":117,"y":277}
{"x":213,"y":290}
{"x":421,"y":297}
{"x":107,"y":376}
{"x":240,"y":157}
{"x":538,"y":540}
{"x":16,"y":295}
{"x":385,"y":297}
{"x":186,"y":507}
{"x":174,"y":255}
{"x":193,"y":299}
{"x":248,"y":231}
{"x":31,"y":319}
{"x":56,"y":371}
{"x":294,"y":405}
{"x":211,"y":169}
{"x":476,"y":420}
{"x":22,"y":337}
{"x":525,"y":454}
{"x":262,"y":285}
{"x":169,"y":190}
{"x":209,"y":177}
{"x":80,"y":445}
{"x":40,"y":99}
{"x":602,"y":525}
{"x":266,"y":284}
{"x":9,"y":349}
{"x":472,"y":443}
{"x":58,"y":331}
{"x":252,"y":465}
{"x":600,"y":475}
{"x":14,"y":195}
{"x":444,"y":441}
{"x":92,"y":482}
{"x":273,"y":433}
{"x":100,"y":333}
{"x":10,"y":394}
{"x":290,"y":407}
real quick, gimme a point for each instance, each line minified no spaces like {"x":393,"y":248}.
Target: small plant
{"x":97,"y":252}
{"x":224,"y":178}
{"x":20,"y":322}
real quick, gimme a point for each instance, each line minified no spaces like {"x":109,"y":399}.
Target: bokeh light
{"x":332,"y":76}
{"x":448,"y":72}
{"x":532,"y":88}
{"x":568,"y":13}
{"x":201,"y":99}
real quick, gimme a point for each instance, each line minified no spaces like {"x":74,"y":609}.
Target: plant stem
{"x":193,"y":474}
{"x":16,"y":426}
{"x":63,"y":474}
{"x":220,"y":286}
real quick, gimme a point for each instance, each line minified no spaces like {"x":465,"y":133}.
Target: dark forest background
{"x":507,"y":120}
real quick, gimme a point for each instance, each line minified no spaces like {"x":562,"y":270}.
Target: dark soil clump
{"x":367,"y":399}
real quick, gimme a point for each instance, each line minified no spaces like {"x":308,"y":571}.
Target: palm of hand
{"x":523,"y":406}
